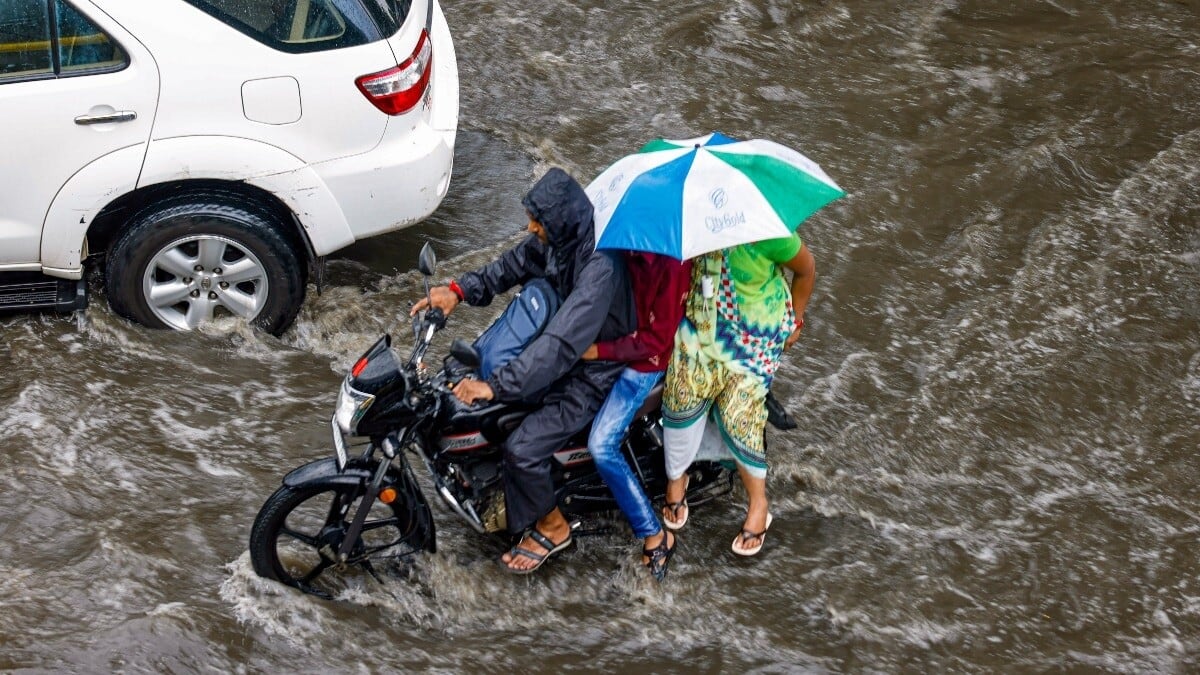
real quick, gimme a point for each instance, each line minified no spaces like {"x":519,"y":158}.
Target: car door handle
{"x":118,"y":116}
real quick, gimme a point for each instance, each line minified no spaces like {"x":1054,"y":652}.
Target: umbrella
{"x":688,"y":197}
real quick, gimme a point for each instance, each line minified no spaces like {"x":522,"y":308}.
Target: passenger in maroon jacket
{"x":660,"y":287}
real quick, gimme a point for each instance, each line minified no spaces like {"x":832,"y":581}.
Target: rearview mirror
{"x":464,"y":353}
{"x":427,"y":260}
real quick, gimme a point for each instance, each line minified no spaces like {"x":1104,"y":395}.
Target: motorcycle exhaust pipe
{"x":467,"y":513}
{"x":471,"y":518}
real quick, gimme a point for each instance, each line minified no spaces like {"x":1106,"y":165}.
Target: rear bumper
{"x":398,"y":184}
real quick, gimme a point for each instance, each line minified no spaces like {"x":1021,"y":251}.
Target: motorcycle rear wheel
{"x":298,"y":532}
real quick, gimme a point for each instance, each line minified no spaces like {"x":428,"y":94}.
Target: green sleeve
{"x":779,"y":250}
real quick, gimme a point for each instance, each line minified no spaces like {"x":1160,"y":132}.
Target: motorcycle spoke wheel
{"x":315,"y":572}
{"x":300,"y":536}
{"x":299,"y":531}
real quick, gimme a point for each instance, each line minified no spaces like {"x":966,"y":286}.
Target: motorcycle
{"x":364,"y":507}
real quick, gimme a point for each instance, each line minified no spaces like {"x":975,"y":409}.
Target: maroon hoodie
{"x":660,"y":288}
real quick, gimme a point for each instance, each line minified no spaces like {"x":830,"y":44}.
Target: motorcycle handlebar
{"x":433,"y":321}
{"x":436,"y":318}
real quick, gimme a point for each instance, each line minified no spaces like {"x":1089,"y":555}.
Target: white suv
{"x":215,"y":150}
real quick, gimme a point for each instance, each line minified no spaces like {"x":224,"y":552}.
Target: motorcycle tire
{"x":298,"y":531}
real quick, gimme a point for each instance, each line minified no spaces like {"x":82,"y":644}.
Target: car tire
{"x":190,"y":259}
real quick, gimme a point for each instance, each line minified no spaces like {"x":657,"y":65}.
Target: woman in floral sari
{"x":741,"y":314}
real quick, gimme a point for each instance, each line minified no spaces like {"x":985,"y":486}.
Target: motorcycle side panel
{"x":472,"y":440}
{"x":573,"y":455}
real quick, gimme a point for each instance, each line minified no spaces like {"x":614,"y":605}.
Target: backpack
{"x":521,"y":323}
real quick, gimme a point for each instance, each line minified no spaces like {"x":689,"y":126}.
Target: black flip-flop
{"x":539,"y":558}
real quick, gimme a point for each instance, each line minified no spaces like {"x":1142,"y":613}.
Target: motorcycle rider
{"x":597,"y":305}
{"x":660,"y":285}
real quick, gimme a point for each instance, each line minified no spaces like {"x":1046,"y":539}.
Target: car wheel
{"x":190,"y":259}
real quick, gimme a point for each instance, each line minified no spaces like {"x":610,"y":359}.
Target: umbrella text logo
{"x":724,"y":221}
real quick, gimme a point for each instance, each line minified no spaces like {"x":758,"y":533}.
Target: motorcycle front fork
{"x":389,"y":447}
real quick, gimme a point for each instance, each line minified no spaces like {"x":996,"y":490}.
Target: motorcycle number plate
{"x":339,"y":444}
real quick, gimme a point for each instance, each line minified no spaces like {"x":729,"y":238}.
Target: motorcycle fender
{"x":325,"y":472}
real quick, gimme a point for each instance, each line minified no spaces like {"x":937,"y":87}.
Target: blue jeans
{"x":604,"y":442}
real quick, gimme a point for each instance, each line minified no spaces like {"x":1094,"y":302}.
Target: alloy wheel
{"x":197,"y":278}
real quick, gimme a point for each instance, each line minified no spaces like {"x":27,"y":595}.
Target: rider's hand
{"x":443,"y":298}
{"x":469,"y":391}
{"x":590,"y":354}
{"x":791,"y":339}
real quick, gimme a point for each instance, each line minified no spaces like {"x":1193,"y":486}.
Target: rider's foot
{"x":675,"y":508}
{"x":529,"y":554}
{"x":754,"y":530}
{"x":653,"y":541}
{"x":656,"y":556}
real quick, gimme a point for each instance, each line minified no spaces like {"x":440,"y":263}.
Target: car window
{"x":50,"y":38}
{"x":303,"y":25}
{"x":390,"y":13}
{"x":81,"y":45}
{"x":25,"y":39}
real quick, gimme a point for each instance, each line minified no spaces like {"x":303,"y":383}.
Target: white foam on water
{"x":458,"y":596}
{"x":216,"y":470}
{"x":344,"y":321}
{"x":278,"y":610}
{"x":1190,"y":383}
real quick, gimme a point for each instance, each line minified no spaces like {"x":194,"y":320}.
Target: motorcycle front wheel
{"x":298,"y":532}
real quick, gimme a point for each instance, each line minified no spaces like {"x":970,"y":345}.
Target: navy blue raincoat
{"x":597,"y":305}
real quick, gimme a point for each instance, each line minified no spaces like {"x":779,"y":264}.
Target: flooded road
{"x":998,"y":388}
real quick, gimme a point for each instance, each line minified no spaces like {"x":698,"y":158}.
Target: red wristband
{"x":800,"y":323}
{"x":457,"y":290}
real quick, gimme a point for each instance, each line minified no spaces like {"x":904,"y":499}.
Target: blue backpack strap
{"x":520,"y":324}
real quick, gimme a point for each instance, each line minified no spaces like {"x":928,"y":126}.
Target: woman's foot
{"x":675,"y":510}
{"x":656,"y":555}
{"x":750,"y":540}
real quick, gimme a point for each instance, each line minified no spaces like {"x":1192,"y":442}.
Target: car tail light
{"x":397,"y":90}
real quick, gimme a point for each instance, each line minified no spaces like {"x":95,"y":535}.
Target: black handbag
{"x":777,"y":415}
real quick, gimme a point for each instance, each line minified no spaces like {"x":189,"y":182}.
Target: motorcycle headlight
{"x":351,"y":405}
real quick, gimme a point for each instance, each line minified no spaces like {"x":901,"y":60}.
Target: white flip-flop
{"x":675,"y":507}
{"x":746,"y":535}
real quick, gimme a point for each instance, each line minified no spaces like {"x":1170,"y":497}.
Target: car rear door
{"x":74,"y":87}
{"x":279,"y":72}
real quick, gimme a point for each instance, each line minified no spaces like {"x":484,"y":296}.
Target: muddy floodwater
{"x":997,"y":389}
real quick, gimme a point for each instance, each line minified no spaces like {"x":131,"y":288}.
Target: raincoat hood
{"x":558,"y":202}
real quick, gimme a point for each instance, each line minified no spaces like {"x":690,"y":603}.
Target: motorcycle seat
{"x":652,"y":403}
